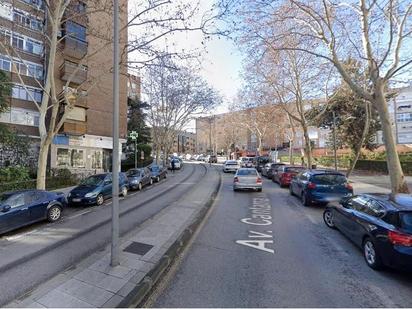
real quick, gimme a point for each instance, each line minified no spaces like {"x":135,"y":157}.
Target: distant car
{"x":139,"y":177}
{"x":96,"y":188}
{"x":380,"y":226}
{"x":212,"y":159}
{"x":285,"y":173}
{"x":320,"y":186}
{"x":157,"y":172}
{"x":247,"y":178}
{"x":247,"y":162}
{"x":20,"y":208}
{"x":230,"y":166}
{"x":177,"y":163}
{"x":261,"y":162}
{"x":274,"y":167}
{"x":201,"y":158}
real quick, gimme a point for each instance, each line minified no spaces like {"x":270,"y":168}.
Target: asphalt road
{"x":32,"y":255}
{"x":293,"y":261}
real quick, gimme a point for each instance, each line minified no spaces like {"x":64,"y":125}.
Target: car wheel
{"x":99,"y":199}
{"x":124,"y":191}
{"x":139,"y":186}
{"x":328,"y":219}
{"x":151,"y":181}
{"x":370,"y":254}
{"x":165,"y":175}
{"x":234,"y":189}
{"x":54,"y":213}
{"x":157,"y":178}
{"x":259,"y":190}
{"x":305,"y":201}
{"x":291,"y":190}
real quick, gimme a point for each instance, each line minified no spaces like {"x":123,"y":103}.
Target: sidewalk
{"x":145,"y":254}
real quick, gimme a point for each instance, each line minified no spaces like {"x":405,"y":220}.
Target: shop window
{"x":77,"y":158}
{"x":97,"y":159}
{"x":63,"y":158}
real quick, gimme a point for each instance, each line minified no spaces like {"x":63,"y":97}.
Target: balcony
{"x":68,"y":68}
{"x":74,"y":128}
{"x":74,"y":48}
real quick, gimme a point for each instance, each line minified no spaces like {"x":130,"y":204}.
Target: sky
{"x":220,"y":61}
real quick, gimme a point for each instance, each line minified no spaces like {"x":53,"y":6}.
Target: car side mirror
{"x":6,"y":208}
{"x":107,"y":182}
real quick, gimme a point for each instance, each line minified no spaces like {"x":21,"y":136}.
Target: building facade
{"x":83,"y":66}
{"x":184,"y":143}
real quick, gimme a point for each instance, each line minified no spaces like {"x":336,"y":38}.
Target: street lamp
{"x":133,"y":136}
{"x":115,"y":249}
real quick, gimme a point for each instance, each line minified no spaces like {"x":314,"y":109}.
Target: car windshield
{"x":294,"y":169}
{"x":231,"y":163}
{"x":247,"y":173}
{"x":329,"y":179}
{"x":154,"y":168}
{"x":406,"y":221}
{"x":93,"y":180}
{"x":134,"y":172}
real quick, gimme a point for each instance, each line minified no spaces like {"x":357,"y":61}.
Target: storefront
{"x":83,"y":154}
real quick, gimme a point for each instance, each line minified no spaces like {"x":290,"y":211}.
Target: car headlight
{"x":91,"y":194}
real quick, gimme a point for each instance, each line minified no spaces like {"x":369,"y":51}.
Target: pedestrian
{"x":302,"y":160}
{"x":173,"y":165}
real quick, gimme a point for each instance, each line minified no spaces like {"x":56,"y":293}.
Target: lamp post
{"x":133,"y":136}
{"x":334,"y":141}
{"x":115,"y":250}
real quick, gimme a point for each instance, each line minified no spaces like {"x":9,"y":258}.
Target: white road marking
{"x":79,"y":214}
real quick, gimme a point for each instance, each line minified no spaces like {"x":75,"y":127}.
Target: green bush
{"x":14,"y":173}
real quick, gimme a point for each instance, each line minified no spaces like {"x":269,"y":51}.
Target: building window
{"x":404,"y":117}
{"x":19,"y":92}
{"x":21,"y":117}
{"x":26,"y":20}
{"x":24,"y":68}
{"x":77,"y":158}
{"x":37,"y":3}
{"x":97,"y":159}
{"x":76,"y":31}
{"x":22,"y":42}
{"x":70,"y":158}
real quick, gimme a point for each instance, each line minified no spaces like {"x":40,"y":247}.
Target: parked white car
{"x":230,"y":166}
{"x":247,"y":178}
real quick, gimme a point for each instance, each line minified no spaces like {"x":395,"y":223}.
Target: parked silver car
{"x":247,"y":178}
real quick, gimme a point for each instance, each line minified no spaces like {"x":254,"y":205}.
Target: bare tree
{"x":175,"y":94}
{"x":376,"y":33}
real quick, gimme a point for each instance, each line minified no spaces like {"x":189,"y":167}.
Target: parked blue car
{"x":21,"y":208}
{"x":158,"y":172}
{"x":95,"y":189}
{"x":320,"y":186}
{"x":380,"y":226}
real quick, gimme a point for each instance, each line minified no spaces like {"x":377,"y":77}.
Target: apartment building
{"x":83,"y":66}
{"x":184,"y":142}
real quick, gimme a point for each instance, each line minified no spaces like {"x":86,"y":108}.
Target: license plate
{"x":76,"y":200}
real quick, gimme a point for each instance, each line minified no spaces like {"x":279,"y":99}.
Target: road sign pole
{"x":135,"y":153}
{"x":115,"y":250}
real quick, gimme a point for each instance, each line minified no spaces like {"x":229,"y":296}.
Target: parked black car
{"x":95,"y":189}
{"x":320,"y":186}
{"x":139,"y":177}
{"x":157,"y":172}
{"x":21,"y":208}
{"x":380,"y":226}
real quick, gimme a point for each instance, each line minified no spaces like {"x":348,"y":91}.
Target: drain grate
{"x":138,"y":248}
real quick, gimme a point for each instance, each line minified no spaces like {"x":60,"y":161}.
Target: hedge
{"x":52,"y":183}
{"x":381,"y":166}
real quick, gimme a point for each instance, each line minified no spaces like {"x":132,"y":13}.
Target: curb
{"x":136,"y":296}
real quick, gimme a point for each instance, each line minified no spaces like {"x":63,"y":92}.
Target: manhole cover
{"x":138,"y":248}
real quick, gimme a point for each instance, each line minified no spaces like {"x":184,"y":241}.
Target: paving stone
{"x":126,"y":289}
{"x":113,"y":302}
{"x":58,"y":299}
{"x":101,"y":280}
{"x":104,"y":267}
{"x":138,"y":277}
{"x":86,"y":292}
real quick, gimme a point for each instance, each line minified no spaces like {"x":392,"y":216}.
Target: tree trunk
{"x":291,"y":160}
{"x":42,"y":166}
{"x":358,"y":149}
{"x":398,"y":183}
{"x":308,"y":146}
